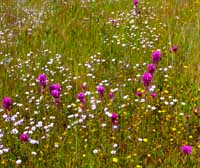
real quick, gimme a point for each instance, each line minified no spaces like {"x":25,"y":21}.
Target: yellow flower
{"x":145,"y":140}
{"x":190,"y":137}
{"x":129,"y":156}
{"x":3,"y":162}
{"x":115,"y":160}
{"x":73,"y":105}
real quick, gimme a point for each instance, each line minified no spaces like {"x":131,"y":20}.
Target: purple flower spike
{"x":81,"y":97}
{"x":7,"y":103}
{"x":151,"y":68}
{"x":174,"y":49}
{"x":186,"y":149}
{"x":101,"y":90}
{"x":84,"y":86}
{"x":111,"y":95}
{"x":146,"y":79}
{"x":153,"y":94}
{"x":156,"y":56}
{"x":42,"y":79}
{"x":55,"y":87}
{"x":135,"y":2}
{"x":139,"y":94}
{"x":24,"y":137}
{"x":114,"y":118}
{"x":55,"y":93}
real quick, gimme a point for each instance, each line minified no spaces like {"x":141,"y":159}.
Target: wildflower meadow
{"x":99,"y":83}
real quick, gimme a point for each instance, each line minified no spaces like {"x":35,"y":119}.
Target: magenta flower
{"x":135,"y":2}
{"x":151,"y":68}
{"x":55,"y":87}
{"x":156,"y":56}
{"x":55,"y":90}
{"x":84,"y":86}
{"x":55,"y":93}
{"x":139,"y":93}
{"x":81,"y":97}
{"x":153,"y":94}
{"x":146,"y":79}
{"x":42,"y":79}
{"x":111,"y":95}
{"x":174,"y":49}
{"x":101,"y":90}
{"x":7,"y":103}
{"x":114,"y":118}
{"x":24,"y":137}
{"x":186,"y":149}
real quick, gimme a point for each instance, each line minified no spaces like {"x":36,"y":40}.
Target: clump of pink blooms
{"x":147,"y":77}
{"x":135,"y":2}
{"x":156,"y":56}
{"x":114,"y":118}
{"x":55,"y":91}
{"x":186,"y":149}
{"x":24,"y":137}
{"x":7,"y":103}
{"x":81,"y":98}
{"x":42,"y":79}
{"x":101,"y":91}
{"x":174,"y":49}
{"x":111,"y":96}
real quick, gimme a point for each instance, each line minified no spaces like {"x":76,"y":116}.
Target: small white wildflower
{"x":18,"y":161}
{"x":34,"y":153}
{"x":115,"y":145}
{"x":103,"y":125}
{"x":6,"y":150}
{"x":166,"y":103}
{"x":140,"y":139}
{"x":56,"y":145}
{"x":32,"y":141}
{"x":95,"y":151}
{"x":183,"y":103}
{"x":14,"y":131}
{"x":162,"y":98}
{"x":113,"y":152}
{"x":153,"y":108}
{"x":136,"y":100}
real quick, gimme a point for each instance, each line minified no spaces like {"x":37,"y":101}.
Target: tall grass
{"x":100,"y":43}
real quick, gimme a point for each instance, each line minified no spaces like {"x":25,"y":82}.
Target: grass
{"x":106,"y":43}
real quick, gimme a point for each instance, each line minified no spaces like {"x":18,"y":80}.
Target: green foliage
{"x":99,"y":42}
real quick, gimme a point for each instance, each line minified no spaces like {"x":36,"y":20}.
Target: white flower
{"x":18,"y":161}
{"x":113,"y":152}
{"x":6,"y":150}
{"x":1,"y":152}
{"x":32,"y":141}
{"x":140,"y":139}
{"x":153,"y":108}
{"x":39,"y":124}
{"x":103,"y":125}
{"x":183,"y":103}
{"x":14,"y":131}
{"x":95,"y":151}
{"x":115,"y":145}
{"x":166,"y":103}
